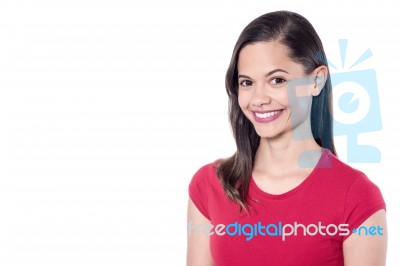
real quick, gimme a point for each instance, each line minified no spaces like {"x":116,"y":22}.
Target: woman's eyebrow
{"x":266,"y":75}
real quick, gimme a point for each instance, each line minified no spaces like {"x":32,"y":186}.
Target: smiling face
{"x":274,"y":93}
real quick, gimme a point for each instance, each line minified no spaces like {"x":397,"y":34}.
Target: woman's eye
{"x":277,"y":81}
{"x":245,"y":83}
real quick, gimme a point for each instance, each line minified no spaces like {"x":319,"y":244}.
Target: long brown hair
{"x":305,"y":47}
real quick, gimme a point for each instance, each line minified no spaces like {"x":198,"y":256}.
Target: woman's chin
{"x":268,"y":134}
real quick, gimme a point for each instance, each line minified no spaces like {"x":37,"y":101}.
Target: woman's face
{"x":274,"y":92}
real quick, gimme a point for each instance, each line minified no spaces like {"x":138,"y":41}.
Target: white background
{"x":107,"y":108}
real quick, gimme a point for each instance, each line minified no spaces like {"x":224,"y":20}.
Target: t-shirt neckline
{"x":322,"y":162}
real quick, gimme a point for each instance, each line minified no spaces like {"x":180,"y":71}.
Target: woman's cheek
{"x":242,"y":101}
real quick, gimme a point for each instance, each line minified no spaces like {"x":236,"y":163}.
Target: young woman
{"x":283,"y":198}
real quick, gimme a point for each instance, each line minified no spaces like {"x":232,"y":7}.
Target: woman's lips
{"x":266,"y":116}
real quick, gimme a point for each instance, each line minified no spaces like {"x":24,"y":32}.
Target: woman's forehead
{"x":265,"y":56}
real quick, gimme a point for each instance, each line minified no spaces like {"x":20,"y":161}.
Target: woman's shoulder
{"x":348,"y":176}
{"x":362,"y":196}
{"x":206,"y":172}
{"x":200,"y":184}
{"x":341,"y":169}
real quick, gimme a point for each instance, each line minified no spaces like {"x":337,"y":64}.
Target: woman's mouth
{"x":266,"y":116}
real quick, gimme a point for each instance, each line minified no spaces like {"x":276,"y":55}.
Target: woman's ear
{"x":321,"y":74}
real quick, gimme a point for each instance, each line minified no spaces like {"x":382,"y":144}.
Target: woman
{"x":283,"y":198}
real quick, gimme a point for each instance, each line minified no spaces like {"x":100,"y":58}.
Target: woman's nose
{"x":260,"y":97}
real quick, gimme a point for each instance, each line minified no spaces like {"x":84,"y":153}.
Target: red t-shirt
{"x":327,"y":206}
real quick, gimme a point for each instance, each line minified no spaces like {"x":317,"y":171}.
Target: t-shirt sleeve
{"x":198,"y":189}
{"x":363,"y":199}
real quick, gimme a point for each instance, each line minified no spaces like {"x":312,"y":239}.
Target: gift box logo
{"x":356,"y":106}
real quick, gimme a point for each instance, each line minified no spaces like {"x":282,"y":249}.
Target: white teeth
{"x":266,"y":115}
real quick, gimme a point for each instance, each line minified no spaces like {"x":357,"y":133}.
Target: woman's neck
{"x":286,"y":154}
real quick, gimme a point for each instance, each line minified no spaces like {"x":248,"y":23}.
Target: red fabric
{"x":334,"y":193}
